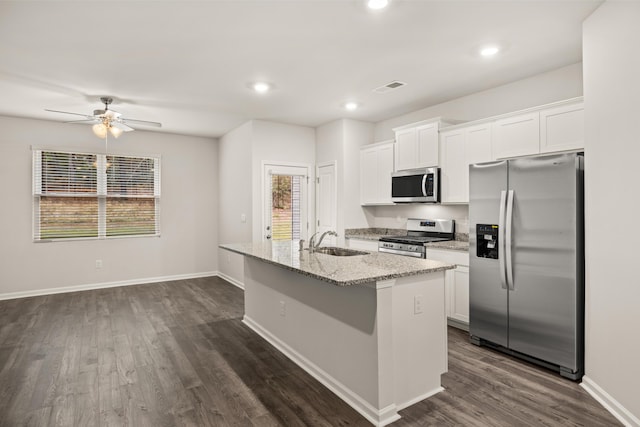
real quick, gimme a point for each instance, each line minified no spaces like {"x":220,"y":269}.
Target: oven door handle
{"x":404,"y":253}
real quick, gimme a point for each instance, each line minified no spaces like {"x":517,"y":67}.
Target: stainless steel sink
{"x":335,"y":251}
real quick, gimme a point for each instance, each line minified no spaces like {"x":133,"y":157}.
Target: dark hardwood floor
{"x":177,"y":354}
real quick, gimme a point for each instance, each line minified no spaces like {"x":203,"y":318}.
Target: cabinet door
{"x":562,"y":128}
{"x":478,"y":144}
{"x":477,"y":149}
{"x":454,"y":167}
{"x":368,"y":176}
{"x":460,"y":298}
{"x":406,"y":149}
{"x":427,"y":136}
{"x":516,"y":136}
{"x":456,"y":282}
{"x":385,"y":169}
{"x":362,"y":245}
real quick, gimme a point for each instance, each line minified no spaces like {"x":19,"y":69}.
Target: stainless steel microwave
{"x":416,"y":186}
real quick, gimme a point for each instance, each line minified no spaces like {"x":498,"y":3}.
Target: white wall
{"x":188,"y":215}
{"x":278,"y":142}
{"x":236,"y":180}
{"x":611,"y":71}
{"x":357,"y":134}
{"x":556,"y":85}
{"x":242,"y":154}
{"x":341,"y":141}
{"x":329,"y":147}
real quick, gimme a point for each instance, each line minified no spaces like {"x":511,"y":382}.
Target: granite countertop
{"x":340,"y":271}
{"x":451,"y":245}
{"x":373,"y":233}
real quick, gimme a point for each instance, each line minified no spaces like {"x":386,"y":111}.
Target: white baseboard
{"x":77,"y":288}
{"x":231,"y":280}
{"x":377,"y":417}
{"x":404,"y":405}
{"x":610,"y":404}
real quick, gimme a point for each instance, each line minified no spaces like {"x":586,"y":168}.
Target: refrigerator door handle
{"x":507,"y":241}
{"x":501,"y":240}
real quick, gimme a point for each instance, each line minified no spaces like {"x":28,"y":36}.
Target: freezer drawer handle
{"x":508,"y":232}
{"x":501,"y":257}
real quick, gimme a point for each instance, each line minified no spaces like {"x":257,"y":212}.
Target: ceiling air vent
{"x":389,"y":86}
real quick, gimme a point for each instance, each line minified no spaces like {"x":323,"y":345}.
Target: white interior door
{"x":326,"y":200}
{"x":285,"y":204}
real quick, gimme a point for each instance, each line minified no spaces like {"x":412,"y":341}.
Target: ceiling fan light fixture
{"x":116,"y":132}
{"x":100,"y":130}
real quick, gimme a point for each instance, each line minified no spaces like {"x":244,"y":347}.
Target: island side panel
{"x":419,"y":337}
{"x":332,"y":328}
{"x":367,"y":343}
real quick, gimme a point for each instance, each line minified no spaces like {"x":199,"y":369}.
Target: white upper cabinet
{"x":376,"y":167}
{"x":406,"y":149}
{"x":516,"y":136}
{"x":417,"y":145}
{"x":562,"y":128}
{"x":453,"y":179}
{"x":478,"y":144}
{"x":460,"y":148}
{"x":428,"y":147}
{"x":558,"y":127}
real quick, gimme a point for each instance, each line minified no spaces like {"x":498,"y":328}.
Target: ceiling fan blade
{"x":122,"y":126}
{"x":67,"y":112}
{"x":141,"y":122}
{"x":87,"y":121}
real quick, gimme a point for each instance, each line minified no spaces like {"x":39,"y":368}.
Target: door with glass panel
{"x":285,"y":202}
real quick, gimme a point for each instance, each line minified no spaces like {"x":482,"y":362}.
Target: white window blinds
{"x":94,"y":195}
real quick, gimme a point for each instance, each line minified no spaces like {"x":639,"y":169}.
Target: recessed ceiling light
{"x":488,"y":51}
{"x":377,"y":4}
{"x":261,"y":87}
{"x":351,"y":105}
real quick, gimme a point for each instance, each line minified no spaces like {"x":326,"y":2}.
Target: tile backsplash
{"x":396,"y":216}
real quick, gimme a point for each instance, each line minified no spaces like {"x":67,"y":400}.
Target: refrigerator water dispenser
{"x":487,"y":241}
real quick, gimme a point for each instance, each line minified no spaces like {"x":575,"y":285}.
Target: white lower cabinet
{"x":362,"y":244}
{"x":456,"y":285}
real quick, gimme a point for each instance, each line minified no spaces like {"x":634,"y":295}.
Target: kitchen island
{"x":370,"y":327}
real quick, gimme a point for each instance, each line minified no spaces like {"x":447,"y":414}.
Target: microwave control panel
{"x":487,"y":241}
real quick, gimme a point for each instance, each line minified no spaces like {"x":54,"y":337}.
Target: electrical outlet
{"x":98,"y":264}
{"x":243,"y":218}
{"x":283,"y":308}
{"x":418,"y":304}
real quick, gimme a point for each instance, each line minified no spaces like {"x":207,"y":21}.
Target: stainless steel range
{"x":419,"y":232}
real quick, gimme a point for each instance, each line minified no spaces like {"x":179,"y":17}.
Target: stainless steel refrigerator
{"x":526,"y":240}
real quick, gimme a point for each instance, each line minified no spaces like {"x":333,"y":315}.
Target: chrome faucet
{"x":313,"y":245}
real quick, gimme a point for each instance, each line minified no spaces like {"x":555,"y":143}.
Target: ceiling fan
{"x":108,"y":121}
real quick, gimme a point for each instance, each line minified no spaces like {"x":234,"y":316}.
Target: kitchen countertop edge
{"x":360,"y":281}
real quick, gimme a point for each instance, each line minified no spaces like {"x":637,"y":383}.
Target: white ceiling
{"x":188,"y":64}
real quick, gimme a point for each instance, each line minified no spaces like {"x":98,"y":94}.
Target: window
{"x":285,"y":206}
{"x":78,"y":195}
